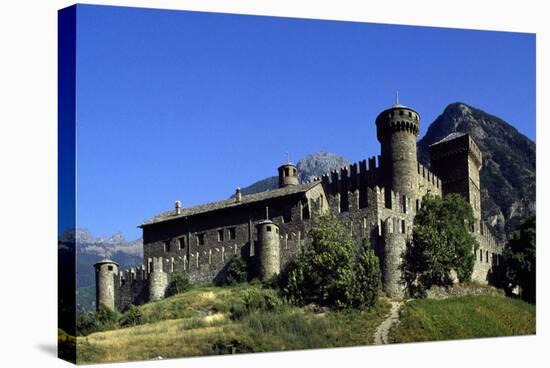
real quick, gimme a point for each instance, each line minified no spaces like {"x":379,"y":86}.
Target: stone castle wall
{"x":360,"y":195}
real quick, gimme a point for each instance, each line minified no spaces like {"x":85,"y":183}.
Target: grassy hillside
{"x":216,"y":320}
{"x":462,"y":318}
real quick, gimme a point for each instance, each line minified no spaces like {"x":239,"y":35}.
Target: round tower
{"x":288,"y":175}
{"x":269,"y":249}
{"x":105,"y":273}
{"x":158,"y":280}
{"x":397,"y":130}
{"x":395,"y":243}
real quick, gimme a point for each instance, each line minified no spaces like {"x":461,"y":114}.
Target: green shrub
{"x":90,"y":322}
{"x":236,"y":271}
{"x":132,"y":317}
{"x":255,"y":299}
{"x":178,"y":285}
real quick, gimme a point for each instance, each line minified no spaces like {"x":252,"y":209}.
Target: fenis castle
{"x":377,"y":198}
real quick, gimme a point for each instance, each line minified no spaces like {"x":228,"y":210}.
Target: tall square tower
{"x":457,"y":159}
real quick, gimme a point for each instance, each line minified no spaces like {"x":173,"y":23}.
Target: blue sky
{"x":184,"y":105}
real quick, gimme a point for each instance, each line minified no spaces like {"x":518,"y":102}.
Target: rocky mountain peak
{"x":508,"y":174}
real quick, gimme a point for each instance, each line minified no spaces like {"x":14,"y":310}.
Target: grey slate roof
{"x":449,"y":137}
{"x":232,"y":202}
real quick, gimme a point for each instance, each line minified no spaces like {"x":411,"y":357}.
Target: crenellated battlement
{"x":428,"y":180}
{"x":487,"y":240}
{"x":354,"y":174}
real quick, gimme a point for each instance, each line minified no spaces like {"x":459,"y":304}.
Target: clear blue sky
{"x":182,"y":105}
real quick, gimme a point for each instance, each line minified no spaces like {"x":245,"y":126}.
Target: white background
{"x":28,"y":181}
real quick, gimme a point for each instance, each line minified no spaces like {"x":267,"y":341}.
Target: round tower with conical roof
{"x":105,"y":273}
{"x":397,"y":130}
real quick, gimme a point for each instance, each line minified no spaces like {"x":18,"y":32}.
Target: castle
{"x":377,"y":199}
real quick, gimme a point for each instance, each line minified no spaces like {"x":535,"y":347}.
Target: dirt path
{"x":381,"y":334}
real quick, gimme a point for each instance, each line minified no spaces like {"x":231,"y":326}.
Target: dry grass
{"x":197,"y":323}
{"x":170,"y":338}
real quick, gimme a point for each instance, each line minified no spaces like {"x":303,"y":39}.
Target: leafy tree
{"x":520,"y":259}
{"x":368,"y":277}
{"x":178,"y":285}
{"x":331,"y":271}
{"x":441,"y":243}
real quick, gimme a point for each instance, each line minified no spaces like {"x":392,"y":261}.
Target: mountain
{"x":311,"y":166}
{"x":508,"y":175}
{"x":90,"y":250}
{"x":319,"y":163}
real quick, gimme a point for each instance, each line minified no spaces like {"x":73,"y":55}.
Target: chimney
{"x":238,"y":194}
{"x":178,"y":208}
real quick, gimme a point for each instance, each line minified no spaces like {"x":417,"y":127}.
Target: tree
{"x":368,"y":277}
{"x":441,"y":243}
{"x":331,"y":271}
{"x":520,"y":259}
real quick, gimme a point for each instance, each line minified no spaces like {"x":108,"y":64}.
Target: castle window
{"x":220,"y":235}
{"x":287,"y":171}
{"x":181,"y":242}
{"x":287,"y":214}
{"x":277,"y":230}
{"x":403,"y":226}
{"x":481,"y":255}
{"x":110,"y":268}
{"x":400,"y":112}
{"x":305,"y":211}
{"x":200,"y":239}
{"x":232,"y":233}
{"x":362,"y":199}
{"x":268,"y":228}
{"x":294,"y":171}
{"x":487,"y":256}
{"x":167,"y":246}
{"x":410,"y":114}
{"x":344,"y":204}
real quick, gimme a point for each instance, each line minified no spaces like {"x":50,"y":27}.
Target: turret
{"x":397,"y":130}
{"x":269,"y":249}
{"x":288,"y":175}
{"x":105,"y":273}
{"x":158,"y":280}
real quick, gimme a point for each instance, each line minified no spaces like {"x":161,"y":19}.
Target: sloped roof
{"x":232,"y":202}
{"x":449,"y":137}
